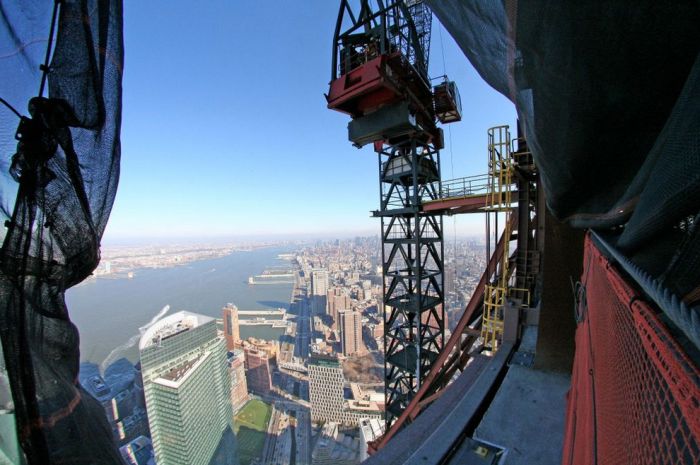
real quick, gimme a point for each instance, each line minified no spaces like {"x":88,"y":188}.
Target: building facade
{"x":232,"y":332}
{"x":326,"y":395}
{"x":120,"y":393}
{"x":187,"y":389}
{"x":335,"y":448}
{"x":319,"y":289}
{"x":319,"y":282}
{"x":337,"y":301}
{"x":371,"y":429}
{"x":239,"y":385}
{"x":138,"y":451}
{"x":351,"y":332}
{"x":258,"y":370}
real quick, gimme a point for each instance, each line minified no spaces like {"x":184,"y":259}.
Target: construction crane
{"x":380,"y":78}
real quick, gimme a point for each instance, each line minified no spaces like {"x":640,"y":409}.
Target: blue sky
{"x":226,"y":132}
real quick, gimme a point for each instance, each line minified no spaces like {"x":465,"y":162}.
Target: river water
{"x":109,"y":312}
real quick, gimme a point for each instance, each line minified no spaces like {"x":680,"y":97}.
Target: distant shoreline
{"x":115,"y":264}
{"x":109,"y":309}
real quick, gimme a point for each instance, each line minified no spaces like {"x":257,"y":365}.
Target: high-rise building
{"x":319,"y":289}
{"x":239,"y":386}
{"x":327,"y":395}
{"x":330,"y":304}
{"x":138,"y":452}
{"x":121,"y":396}
{"x":272,"y":348}
{"x":319,"y":282}
{"x":232,"y":332}
{"x":188,"y":391}
{"x":257,"y":370}
{"x":350,"y":332}
{"x":326,"y":389}
{"x":337,"y":301}
{"x":335,"y":448}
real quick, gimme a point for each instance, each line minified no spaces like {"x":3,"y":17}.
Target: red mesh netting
{"x":635,"y":395}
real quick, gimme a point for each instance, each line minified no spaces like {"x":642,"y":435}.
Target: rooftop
{"x":364,"y":405}
{"x":335,"y":446}
{"x":178,"y":374}
{"x":170,"y":326}
{"x":371,"y":428}
{"x":322,"y":360}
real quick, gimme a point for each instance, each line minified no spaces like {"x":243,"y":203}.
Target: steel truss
{"x":413,"y":270}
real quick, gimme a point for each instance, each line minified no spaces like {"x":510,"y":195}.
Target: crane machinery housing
{"x":380,"y":78}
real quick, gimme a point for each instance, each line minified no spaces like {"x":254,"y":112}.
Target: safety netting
{"x":60,"y":168}
{"x":635,"y":395}
{"x":608,"y":95}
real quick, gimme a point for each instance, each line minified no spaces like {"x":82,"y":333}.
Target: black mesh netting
{"x":608,"y":94}
{"x":64,"y":172}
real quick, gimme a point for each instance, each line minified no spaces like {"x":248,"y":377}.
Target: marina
{"x":280,"y":312}
{"x":262,"y":321}
{"x":276,"y":275}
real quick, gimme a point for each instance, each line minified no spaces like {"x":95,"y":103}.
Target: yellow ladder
{"x":498,"y":200}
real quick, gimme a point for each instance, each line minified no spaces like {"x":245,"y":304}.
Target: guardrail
{"x":464,"y":187}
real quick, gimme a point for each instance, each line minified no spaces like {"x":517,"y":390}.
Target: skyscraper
{"x":232,"y":332}
{"x":327,"y":395}
{"x":239,"y":386}
{"x":187,"y":391}
{"x":319,"y":288}
{"x":137,"y":452}
{"x":350,"y":331}
{"x":326,"y":389}
{"x":120,"y":394}
{"x":337,"y":300}
{"x":370,"y":430}
{"x":319,"y":282}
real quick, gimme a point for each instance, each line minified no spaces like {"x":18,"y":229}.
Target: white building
{"x":319,"y":282}
{"x":370,"y":430}
{"x":326,"y":394}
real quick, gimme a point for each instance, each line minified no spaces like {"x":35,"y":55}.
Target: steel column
{"x":412,"y":259}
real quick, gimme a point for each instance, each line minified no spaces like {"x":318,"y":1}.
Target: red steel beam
{"x":464,"y":204}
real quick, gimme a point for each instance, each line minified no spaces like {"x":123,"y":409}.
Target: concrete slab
{"x":527,"y":417}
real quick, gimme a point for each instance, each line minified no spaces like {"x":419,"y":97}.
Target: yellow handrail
{"x":499,"y":199}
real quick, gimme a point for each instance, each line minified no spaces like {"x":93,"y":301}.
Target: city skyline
{"x":268,"y":159}
{"x":248,"y":233}
{"x":475,"y":232}
{"x":332,"y":344}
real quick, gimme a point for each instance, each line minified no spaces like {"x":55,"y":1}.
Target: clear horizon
{"x":146,"y":241}
{"x":226,"y":132}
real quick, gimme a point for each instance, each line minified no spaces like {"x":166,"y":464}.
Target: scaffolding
{"x":506,"y":194}
{"x":498,"y":203}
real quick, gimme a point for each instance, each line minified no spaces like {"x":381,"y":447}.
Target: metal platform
{"x":405,"y":445}
{"x":458,"y":205}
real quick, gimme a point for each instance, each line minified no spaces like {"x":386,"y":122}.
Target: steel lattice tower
{"x":412,"y":262}
{"x":380,"y":78}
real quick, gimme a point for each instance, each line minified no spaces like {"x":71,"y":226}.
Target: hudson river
{"x":109,"y":312}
